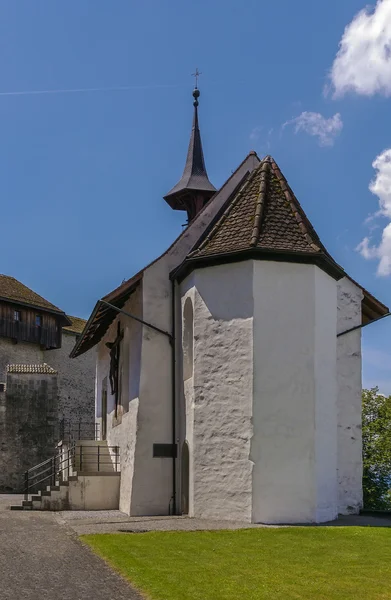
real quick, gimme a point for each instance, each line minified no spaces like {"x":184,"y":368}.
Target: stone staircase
{"x":89,"y":479}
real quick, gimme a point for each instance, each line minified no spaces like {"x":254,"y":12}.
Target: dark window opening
{"x":38,"y":320}
{"x":17,"y":315}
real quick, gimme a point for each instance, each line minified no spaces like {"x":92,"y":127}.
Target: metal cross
{"x":196,"y":75}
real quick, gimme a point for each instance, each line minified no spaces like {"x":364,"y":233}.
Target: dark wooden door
{"x":104,"y":409}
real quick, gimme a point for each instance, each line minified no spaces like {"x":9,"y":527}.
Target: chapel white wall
{"x":294,"y":413}
{"x":147,"y":482}
{"x":122,"y":431}
{"x":219,"y":395}
{"x":349,"y":402}
{"x":153,"y":477}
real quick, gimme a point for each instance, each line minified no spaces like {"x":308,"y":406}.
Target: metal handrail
{"x":75,"y":454}
{"x":79,"y":430}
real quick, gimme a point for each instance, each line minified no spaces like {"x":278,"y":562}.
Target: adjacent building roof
{"x":77,"y":325}
{"x":42,"y":369}
{"x":262,"y":220}
{"x":12,"y":290}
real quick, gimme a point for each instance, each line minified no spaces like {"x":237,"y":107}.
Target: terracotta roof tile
{"x":42,"y":369}
{"x":264,"y":215}
{"x":12,"y":289}
{"x":77,"y":325}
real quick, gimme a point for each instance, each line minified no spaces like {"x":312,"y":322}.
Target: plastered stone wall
{"x":152,"y":478}
{"x":122,"y":431}
{"x":294,"y":417}
{"x":349,"y":399}
{"x":223,"y":392}
{"x":28,"y":426}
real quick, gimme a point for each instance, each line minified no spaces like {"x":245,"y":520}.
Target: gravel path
{"x":113,"y":521}
{"x":41,"y":559}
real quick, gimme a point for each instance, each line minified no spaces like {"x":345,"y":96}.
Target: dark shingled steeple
{"x":194,"y":188}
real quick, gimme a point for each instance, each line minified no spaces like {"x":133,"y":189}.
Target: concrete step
{"x":53,"y":488}
{"x":27,"y":503}
{"x":44,"y":493}
{"x":36,"y":498}
{"x":17,"y":507}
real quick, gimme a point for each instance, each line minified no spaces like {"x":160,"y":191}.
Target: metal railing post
{"x":98,"y":456}
{"x":79,"y":429}
{"x":81,"y":457}
{"x":26,"y":485}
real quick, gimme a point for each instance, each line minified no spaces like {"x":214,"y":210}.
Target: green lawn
{"x":276,"y":564}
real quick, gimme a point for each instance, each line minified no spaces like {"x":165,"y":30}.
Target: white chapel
{"x":229,"y":369}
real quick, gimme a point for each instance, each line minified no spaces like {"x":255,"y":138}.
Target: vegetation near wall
{"x":376,"y":450}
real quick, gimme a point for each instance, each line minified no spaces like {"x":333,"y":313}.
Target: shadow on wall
{"x":217,"y":286}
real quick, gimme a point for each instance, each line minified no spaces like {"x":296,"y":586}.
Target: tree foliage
{"x":376,"y":430}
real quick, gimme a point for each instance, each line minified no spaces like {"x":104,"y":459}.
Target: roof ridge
{"x":299,"y":215}
{"x":221,"y":219}
{"x":260,"y":202}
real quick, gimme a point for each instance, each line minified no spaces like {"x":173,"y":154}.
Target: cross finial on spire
{"x":196,"y":75}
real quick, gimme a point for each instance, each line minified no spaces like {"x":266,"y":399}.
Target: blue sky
{"x":83,"y":173}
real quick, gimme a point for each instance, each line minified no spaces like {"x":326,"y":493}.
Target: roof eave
{"x":319,"y":259}
{"x":103,"y":321}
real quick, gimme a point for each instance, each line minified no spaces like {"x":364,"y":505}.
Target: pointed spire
{"x":194,"y":188}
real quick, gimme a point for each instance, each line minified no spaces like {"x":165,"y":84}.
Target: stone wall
{"x":28,"y":425}
{"x":76,"y":380}
{"x":349,"y":398}
{"x":29,"y":406}
{"x":20,"y":353}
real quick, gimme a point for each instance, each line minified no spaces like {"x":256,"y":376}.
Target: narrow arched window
{"x":187,"y":339}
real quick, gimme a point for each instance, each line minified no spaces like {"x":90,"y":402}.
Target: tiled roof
{"x":12,"y":289}
{"x":42,"y":369}
{"x":264,"y":215}
{"x":77,"y":325}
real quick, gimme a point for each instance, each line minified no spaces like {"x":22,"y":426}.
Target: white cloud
{"x":255,"y":133}
{"x":363,"y":61}
{"x":315,"y":124}
{"x":381,"y":187}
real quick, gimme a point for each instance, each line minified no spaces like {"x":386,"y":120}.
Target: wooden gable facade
{"x":27,"y":317}
{"x":24,"y":324}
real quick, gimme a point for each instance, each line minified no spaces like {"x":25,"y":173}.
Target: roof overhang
{"x":102,"y":316}
{"x":64,"y":320}
{"x":321,"y":260}
{"x":371,"y":308}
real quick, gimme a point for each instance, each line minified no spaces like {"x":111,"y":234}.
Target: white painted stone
{"x":219,"y":396}
{"x":349,"y":398}
{"x":294,"y":478}
{"x":147,"y":486}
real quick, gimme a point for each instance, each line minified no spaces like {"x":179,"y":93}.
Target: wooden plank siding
{"x":48,"y":335}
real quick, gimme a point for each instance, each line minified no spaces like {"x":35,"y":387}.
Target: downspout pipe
{"x":173,"y":405}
